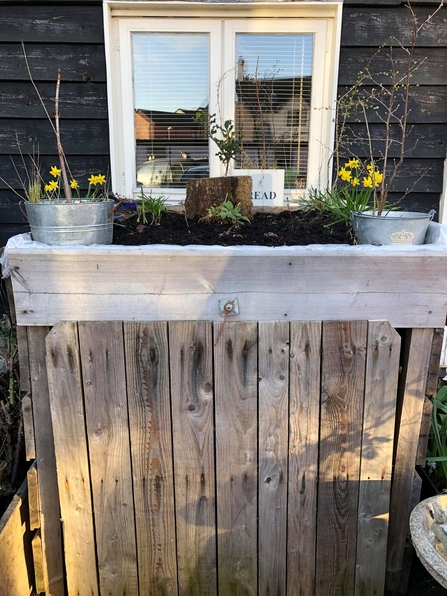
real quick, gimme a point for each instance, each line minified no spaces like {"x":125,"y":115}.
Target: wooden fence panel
{"x":191,"y":350}
{"x":342,"y":384}
{"x":147,"y":362}
{"x":273,"y":379}
{"x":104,"y":378}
{"x":267,"y":446}
{"x":304,"y":417}
{"x":70,"y":440}
{"x":382,"y":374}
{"x":236,"y":392}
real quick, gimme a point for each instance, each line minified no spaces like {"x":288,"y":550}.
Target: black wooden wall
{"x":69,"y":34}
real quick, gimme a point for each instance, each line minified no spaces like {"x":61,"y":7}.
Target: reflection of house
{"x":280,"y":107}
{"x":156,"y":125}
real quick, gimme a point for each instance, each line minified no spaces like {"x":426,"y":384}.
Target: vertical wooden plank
{"x":235,"y":366}
{"x":147,"y":365}
{"x":273,"y":373}
{"x":28,"y":427}
{"x":33,"y":498}
{"x":191,"y":358}
{"x":104,"y":380}
{"x":434,"y":364}
{"x":342,"y":384}
{"x":73,"y":477}
{"x":38,"y":562}
{"x":23,"y":353}
{"x":411,"y":397}
{"x":51,"y":536}
{"x":382,"y":372}
{"x":304,"y":421}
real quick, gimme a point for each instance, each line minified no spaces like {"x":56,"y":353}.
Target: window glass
{"x":272,"y":103}
{"x":170,"y":85}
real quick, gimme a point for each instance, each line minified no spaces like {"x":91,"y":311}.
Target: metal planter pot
{"x":79,"y":223}
{"x":394,"y":228}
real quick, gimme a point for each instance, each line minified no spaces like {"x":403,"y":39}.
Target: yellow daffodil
{"x":367,"y":182}
{"x":100,"y":179}
{"x":355,"y":181}
{"x":352,"y":163}
{"x":345,"y":174}
{"x":52,"y":185}
{"x":377,"y":178}
{"x":93,"y":180}
{"x":55,"y":171}
{"x":74,"y":184}
{"x":370,"y":167}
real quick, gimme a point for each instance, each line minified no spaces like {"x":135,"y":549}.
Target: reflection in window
{"x":273,"y":96}
{"x":171,"y":84}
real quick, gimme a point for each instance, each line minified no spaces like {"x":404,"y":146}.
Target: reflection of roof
{"x":272,"y":94}
{"x":176,"y":119}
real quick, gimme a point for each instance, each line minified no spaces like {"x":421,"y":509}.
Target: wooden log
{"x":304,"y":416}
{"x":67,"y":414}
{"x":50,"y":532}
{"x":342,"y":384}
{"x":147,"y":372}
{"x":411,"y":397}
{"x":235,"y":358}
{"x":16,"y":569}
{"x":379,"y":414}
{"x":28,"y":427}
{"x":273,"y":431}
{"x":105,"y":396}
{"x":191,"y":353}
{"x":33,"y":498}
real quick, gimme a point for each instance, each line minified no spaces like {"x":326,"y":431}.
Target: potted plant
{"x":206,"y":193}
{"x":389,"y":100}
{"x":57,"y":212}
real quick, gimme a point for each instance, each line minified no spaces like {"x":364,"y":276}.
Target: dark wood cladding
{"x":367,"y":24}
{"x":57,"y":34}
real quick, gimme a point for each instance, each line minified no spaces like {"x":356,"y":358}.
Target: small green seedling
{"x":153,"y":206}
{"x":226,"y":212}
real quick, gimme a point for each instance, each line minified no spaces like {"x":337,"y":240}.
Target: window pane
{"x":171,"y":83}
{"x":273,"y":93}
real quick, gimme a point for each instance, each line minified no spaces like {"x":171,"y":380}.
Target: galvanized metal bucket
{"x":81,"y":222}
{"x":396,"y":227}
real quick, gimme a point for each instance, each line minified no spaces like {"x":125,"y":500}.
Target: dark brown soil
{"x":266,"y":229}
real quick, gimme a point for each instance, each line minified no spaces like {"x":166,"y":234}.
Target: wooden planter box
{"x":105,"y":286}
{"x":406,"y":286}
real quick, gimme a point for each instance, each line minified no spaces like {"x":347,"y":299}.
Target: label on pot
{"x":402,"y":237}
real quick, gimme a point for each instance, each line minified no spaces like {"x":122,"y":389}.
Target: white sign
{"x":268,"y":187}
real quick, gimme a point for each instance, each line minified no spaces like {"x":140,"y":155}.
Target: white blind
{"x":273,"y":98}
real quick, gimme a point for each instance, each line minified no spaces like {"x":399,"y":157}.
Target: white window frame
{"x":123,"y":17}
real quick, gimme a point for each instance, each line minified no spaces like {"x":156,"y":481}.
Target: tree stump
{"x":204,"y":193}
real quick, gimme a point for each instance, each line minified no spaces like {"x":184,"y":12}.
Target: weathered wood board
{"x":239,"y":458}
{"x":406,"y":286}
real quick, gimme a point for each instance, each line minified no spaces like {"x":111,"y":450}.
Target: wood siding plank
{"x":411,"y":401}
{"x":273,"y":377}
{"x":104,"y":381}
{"x":147,"y":368}
{"x":50,"y":532}
{"x":382,"y":370}
{"x":304,"y":416}
{"x":73,"y":474}
{"x":342,"y":384}
{"x":33,"y":497}
{"x":191,"y":361}
{"x":28,"y":427}
{"x":235,"y":358}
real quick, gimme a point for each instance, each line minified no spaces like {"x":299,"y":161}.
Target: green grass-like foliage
{"x":339,"y":202}
{"x":437,"y":448}
{"x":151,"y":206}
{"x":226,"y":212}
